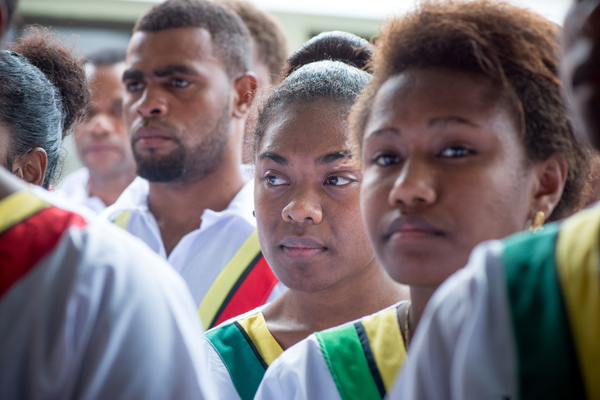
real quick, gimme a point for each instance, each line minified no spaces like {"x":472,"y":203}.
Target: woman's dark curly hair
{"x":43,"y":91}
{"x":514,"y":47}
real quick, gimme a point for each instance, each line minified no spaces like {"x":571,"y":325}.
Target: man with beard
{"x":188,"y":91}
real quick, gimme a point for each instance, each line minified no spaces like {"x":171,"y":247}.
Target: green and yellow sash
{"x":364,"y":357}
{"x":247,"y":348}
{"x":554,"y":297}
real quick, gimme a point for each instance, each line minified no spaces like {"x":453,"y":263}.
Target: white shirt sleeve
{"x":464,"y":347}
{"x":100,"y":317}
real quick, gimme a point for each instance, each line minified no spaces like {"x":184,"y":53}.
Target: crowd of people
{"x":403,"y":219}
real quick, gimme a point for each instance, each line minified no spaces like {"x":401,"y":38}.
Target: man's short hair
{"x":229,"y":35}
{"x":108,"y":56}
{"x":266,"y":31}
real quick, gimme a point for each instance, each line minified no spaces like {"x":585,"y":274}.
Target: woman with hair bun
{"x":307,"y":184}
{"x":42,"y":92}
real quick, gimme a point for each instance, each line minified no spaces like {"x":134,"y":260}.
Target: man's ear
{"x":31,"y":166}
{"x":244,"y":88}
{"x":551,"y":177}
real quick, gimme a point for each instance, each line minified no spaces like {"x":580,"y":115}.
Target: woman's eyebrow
{"x":273,"y":157}
{"x":331,"y":157}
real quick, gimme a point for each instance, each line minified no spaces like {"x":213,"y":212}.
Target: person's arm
{"x":145,"y":337}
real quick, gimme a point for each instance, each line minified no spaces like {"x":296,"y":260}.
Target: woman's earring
{"x":538,"y":220}
{"x":253,"y":214}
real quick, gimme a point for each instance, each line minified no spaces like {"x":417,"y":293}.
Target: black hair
{"x":331,"y":65}
{"x":229,"y":35}
{"x":42,"y":92}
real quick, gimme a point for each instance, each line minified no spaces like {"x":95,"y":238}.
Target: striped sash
{"x":245,"y":283}
{"x":29,"y":229}
{"x":247,"y":348}
{"x":364,"y":357}
{"x":554,"y":297}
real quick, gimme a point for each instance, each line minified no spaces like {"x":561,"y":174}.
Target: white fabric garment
{"x":200,"y":255}
{"x":100,"y":317}
{"x":301,"y":373}
{"x":74,"y":188}
{"x":464,"y":346}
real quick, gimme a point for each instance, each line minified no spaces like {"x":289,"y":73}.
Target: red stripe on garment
{"x":26,"y":243}
{"x":253,"y":292}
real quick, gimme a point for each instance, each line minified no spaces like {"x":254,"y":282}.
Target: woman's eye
{"x":337,"y":181}
{"x":273,"y":180}
{"x":179,"y":83}
{"x":384,"y":160}
{"x":456,"y":151}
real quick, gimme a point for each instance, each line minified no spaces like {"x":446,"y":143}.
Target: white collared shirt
{"x":200,"y":255}
{"x":75,"y":189}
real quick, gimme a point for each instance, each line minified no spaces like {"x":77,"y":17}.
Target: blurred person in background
{"x":101,"y":138}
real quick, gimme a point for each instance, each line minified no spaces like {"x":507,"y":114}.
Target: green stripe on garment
{"x":347,"y":363}
{"x":546,"y":360}
{"x":245,"y":366}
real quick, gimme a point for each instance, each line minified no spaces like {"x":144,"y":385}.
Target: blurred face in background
{"x":101,"y":139}
{"x":580,"y":65}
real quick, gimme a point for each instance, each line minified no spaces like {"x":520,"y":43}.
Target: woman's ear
{"x":551,"y":176}
{"x":31,"y":166}
{"x":244,"y":88}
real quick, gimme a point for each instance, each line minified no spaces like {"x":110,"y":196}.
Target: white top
{"x":75,"y":189}
{"x":201,"y":254}
{"x":464,"y":346}
{"x":301,"y":372}
{"x":99,"y":317}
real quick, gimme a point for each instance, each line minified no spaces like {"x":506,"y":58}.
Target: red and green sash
{"x":247,"y":348}
{"x":364,"y":358}
{"x":245,"y":283}
{"x":29,"y":229}
{"x":554,"y":297}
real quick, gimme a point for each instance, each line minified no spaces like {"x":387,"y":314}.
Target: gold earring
{"x":538,"y":220}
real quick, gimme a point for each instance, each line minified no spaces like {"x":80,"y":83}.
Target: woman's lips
{"x":411,"y":228}
{"x":302,"y":247}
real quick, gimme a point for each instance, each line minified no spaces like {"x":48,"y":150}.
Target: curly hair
{"x":229,"y":35}
{"x":513,"y":47}
{"x":43,"y":91}
{"x":267,"y":33}
{"x":331,"y":65}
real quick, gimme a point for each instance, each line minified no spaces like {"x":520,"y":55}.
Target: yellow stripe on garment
{"x":17,"y":207}
{"x":577,"y":256}
{"x":256,"y":328}
{"x":222,"y":285}
{"x":122,"y":220}
{"x":384,"y":334}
